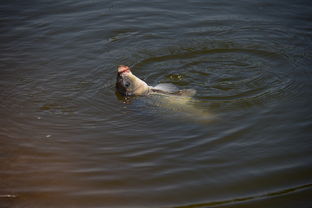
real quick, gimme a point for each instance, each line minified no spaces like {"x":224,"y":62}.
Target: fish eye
{"x":127,"y":84}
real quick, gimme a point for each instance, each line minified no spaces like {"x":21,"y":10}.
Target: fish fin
{"x":167,"y":87}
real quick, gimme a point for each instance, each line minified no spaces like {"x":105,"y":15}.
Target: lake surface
{"x":68,"y":140}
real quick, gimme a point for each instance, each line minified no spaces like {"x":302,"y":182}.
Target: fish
{"x":165,"y":95}
{"x":127,"y":84}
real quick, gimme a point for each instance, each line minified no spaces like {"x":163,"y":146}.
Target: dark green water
{"x":67,"y":140}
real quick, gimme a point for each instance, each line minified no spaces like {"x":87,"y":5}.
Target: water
{"x":67,"y":140}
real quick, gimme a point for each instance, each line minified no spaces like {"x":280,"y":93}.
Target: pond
{"x":67,"y":139}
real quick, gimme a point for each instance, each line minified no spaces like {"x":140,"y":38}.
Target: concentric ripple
{"x":67,"y":139}
{"x":234,"y":75}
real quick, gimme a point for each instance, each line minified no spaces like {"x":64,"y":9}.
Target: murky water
{"x":67,"y":140}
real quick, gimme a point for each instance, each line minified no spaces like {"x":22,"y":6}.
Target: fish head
{"x":128,"y":84}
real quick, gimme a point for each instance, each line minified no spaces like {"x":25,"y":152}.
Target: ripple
{"x":229,"y":74}
{"x":247,"y":199}
{"x":66,"y":136}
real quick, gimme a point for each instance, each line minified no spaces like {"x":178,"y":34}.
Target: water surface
{"x":67,"y":140}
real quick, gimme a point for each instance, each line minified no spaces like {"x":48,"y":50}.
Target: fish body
{"x":128,"y":84}
{"x":164,"y":95}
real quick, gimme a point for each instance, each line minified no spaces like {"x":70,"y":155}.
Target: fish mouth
{"x":122,"y":69}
